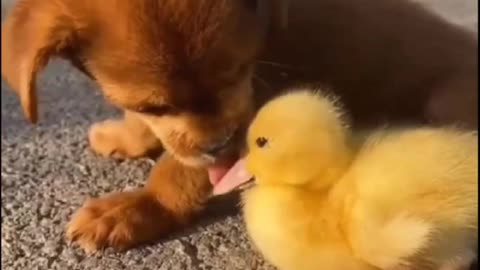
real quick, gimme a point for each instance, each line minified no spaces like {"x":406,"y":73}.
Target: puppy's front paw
{"x":118,"y":139}
{"x":120,"y":220}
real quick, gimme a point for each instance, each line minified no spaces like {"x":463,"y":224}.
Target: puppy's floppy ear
{"x":33,"y":31}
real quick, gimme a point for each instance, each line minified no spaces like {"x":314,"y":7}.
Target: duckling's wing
{"x":407,"y":183}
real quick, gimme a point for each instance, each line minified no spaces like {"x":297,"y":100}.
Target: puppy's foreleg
{"x":168,"y":202}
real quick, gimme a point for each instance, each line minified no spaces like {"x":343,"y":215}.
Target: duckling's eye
{"x":261,"y":141}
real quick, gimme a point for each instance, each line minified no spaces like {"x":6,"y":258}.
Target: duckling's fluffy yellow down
{"x":328,"y":198}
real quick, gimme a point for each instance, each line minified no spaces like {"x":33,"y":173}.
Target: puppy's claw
{"x":71,"y":237}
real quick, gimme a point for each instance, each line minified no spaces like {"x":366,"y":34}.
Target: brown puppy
{"x":182,"y":71}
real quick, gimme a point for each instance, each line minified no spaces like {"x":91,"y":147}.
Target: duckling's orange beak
{"x":235,"y":177}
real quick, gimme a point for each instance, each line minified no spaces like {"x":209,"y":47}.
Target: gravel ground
{"x":47,"y":171}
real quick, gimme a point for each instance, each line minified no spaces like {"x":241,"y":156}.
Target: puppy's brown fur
{"x":182,"y":71}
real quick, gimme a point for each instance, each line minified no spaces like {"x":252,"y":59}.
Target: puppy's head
{"x":183,"y":67}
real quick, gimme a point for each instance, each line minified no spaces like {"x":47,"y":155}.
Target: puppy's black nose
{"x":220,"y":147}
{"x":216,"y":148}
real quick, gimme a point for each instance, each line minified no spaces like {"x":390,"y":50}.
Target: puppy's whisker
{"x":262,"y":81}
{"x":278,"y":65}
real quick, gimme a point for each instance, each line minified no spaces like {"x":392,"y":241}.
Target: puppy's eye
{"x":157,"y":110}
{"x":261,"y":142}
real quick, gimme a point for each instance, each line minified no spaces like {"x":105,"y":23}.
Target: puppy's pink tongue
{"x":217,"y":172}
{"x":235,"y":177}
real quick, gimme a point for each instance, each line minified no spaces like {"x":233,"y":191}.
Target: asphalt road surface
{"x":48,"y":171}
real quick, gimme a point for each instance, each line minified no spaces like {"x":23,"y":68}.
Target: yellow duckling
{"x":324,"y":199}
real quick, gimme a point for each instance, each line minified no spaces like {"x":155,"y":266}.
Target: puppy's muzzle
{"x":225,"y":146}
